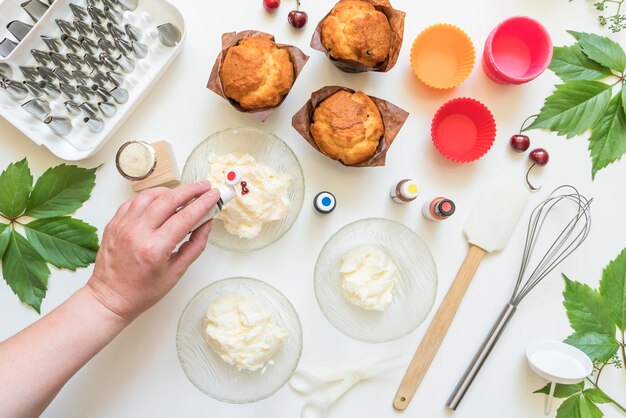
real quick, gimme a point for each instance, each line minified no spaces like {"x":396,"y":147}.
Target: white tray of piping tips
{"x":72,"y":71}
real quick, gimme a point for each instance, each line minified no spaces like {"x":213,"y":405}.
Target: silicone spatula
{"x":487,"y":230}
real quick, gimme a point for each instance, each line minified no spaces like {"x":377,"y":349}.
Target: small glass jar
{"x":136,"y":160}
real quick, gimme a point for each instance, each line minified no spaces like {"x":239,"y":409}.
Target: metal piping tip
{"x":128,"y":4}
{"x":76,"y":61}
{"x":108,"y":109}
{"x":79,"y":11}
{"x":106,"y":46}
{"x":46,"y":73}
{"x":99,"y":78}
{"x":126,"y":64}
{"x":92,"y":61}
{"x":65,"y":26}
{"x":6,"y":47}
{"x":101,"y":92}
{"x":88,"y":44}
{"x":115,"y":31}
{"x":95,"y":125}
{"x":35,"y":9}
{"x":68,"y":90}
{"x":6,"y":72}
{"x":49,"y":89}
{"x":16,"y":91}
{"x":63,"y":75}
{"x":120,"y":95}
{"x":99,"y":30}
{"x":19,"y":29}
{"x":71,"y":43}
{"x":133,"y":32}
{"x":33,"y":88}
{"x":108,"y":62}
{"x":80,"y":77}
{"x":53,"y":44}
{"x":59,"y":59}
{"x":40,"y":56}
{"x":86,"y":92}
{"x":113,"y":14}
{"x":38,"y":108}
{"x":169,"y":34}
{"x":114,"y":4}
{"x":94,"y":3}
{"x":60,"y":125}
{"x":89,"y":109}
{"x":72,"y":108}
{"x":123,"y":46}
{"x":31,"y":73}
{"x":115,"y":78}
{"x":96,"y":14}
{"x":83,"y":28}
{"x":140,"y":50}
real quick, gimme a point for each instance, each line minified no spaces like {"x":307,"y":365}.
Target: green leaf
{"x":575,"y":34}
{"x":599,"y":347}
{"x":570,"y":63}
{"x":603,"y":50}
{"x":5,"y":237}
{"x":16,"y":183}
{"x":25,"y":271}
{"x":586,"y":309}
{"x":575,"y":107}
{"x":623,"y":92}
{"x":596,"y":396}
{"x":65,"y":242}
{"x":61,"y":190}
{"x":578,"y":406}
{"x":588,"y":409}
{"x":607,"y":142}
{"x":613,"y":289}
{"x":562,"y":391}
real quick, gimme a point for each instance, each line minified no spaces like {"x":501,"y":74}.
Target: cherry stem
{"x":526,"y":120}
{"x":298,"y":5}
{"x":530,"y":185}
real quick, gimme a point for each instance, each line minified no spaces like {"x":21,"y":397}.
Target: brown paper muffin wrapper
{"x":298,"y":59}
{"x":396,"y":20}
{"x":393,"y":120}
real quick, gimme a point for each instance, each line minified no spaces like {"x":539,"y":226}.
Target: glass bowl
{"x":413,"y":298}
{"x":218,"y":379}
{"x":266,"y":148}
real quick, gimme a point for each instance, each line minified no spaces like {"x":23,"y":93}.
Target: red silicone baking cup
{"x":463,"y":130}
{"x":517,"y":51}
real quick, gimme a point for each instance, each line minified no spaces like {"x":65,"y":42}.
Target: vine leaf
{"x":5,"y":237}
{"x":16,"y":183}
{"x":570,"y":63}
{"x":25,"y":271}
{"x":596,"y":396}
{"x":575,"y":107}
{"x":613,"y":289}
{"x":607,"y":142}
{"x":599,"y":347}
{"x":603,"y":50}
{"x":586,"y":309}
{"x":61,"y":190}
{"x":562,"y":391}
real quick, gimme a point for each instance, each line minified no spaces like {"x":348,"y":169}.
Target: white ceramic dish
{"x":81,"y":143}
{"x":266,"y":148}
{"x":208,"y":372}
{"x":413,"y":298}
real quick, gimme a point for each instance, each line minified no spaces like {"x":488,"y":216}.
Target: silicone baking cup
{"x":463,"y":130}
{"x":517,"y":51}
{"x":442,"y":56}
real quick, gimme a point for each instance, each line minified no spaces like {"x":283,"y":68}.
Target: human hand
{"x":137,"y":265}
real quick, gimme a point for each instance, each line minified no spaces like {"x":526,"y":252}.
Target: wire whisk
{"x":566,"y":242}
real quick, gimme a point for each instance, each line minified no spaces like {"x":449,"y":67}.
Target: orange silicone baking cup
{"x":442,"y":56}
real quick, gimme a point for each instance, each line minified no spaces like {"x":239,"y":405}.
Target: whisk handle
{"x":480,"y":357}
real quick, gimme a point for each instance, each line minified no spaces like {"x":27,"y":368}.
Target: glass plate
{"x":265,"y":148}
{"x":413,"y":298}
{"x":218,"y":379}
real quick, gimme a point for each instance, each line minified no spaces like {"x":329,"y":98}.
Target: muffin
{"x":347,"y":127}
{"x":257,"y":74}
{"x":355,"y":31}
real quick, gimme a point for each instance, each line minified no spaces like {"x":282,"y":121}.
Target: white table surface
{"x":138,"y":375}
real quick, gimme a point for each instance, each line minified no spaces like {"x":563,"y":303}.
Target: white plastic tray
{"x":81,"y":143}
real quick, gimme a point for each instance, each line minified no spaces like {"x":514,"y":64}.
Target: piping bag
{"x":487,"y":230}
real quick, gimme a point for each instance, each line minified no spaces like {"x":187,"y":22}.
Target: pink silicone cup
{"x":463,"y":130}
{"x":517,"y":51}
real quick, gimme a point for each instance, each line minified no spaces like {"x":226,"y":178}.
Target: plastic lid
{"x":325,"y":202}
{"x":446,"y":207}
{"x":409,"y":189}
{"x":233,"y":177}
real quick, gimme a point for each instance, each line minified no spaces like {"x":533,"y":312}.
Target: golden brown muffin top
{"x":347,"y":127}
{"x":257,"y":73}
{"x":355,"y":30}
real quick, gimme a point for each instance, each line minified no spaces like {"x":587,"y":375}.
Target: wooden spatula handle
{"x":437,"y":329}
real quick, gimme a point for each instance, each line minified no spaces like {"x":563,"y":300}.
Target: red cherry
{"x":271,"y":5}
{"x":297,"y":18}
{"x":539,"y":156}
{"x":520,"y":143}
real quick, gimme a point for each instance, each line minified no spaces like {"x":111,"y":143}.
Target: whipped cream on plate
{"x":243,"y":332}
{"x":369,"y":277}
{"x":266,"y":201}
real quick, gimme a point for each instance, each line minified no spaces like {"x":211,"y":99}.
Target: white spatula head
{"x":496,"y":214}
